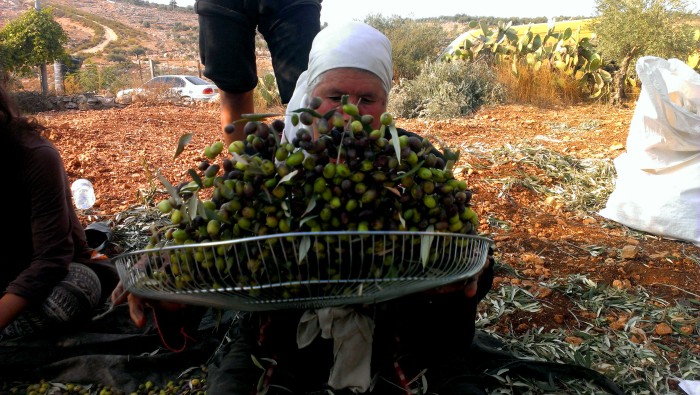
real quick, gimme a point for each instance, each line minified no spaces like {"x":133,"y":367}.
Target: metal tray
{"x":302,"y":270}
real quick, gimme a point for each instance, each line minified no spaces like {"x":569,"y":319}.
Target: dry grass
{"x":543,"y":87}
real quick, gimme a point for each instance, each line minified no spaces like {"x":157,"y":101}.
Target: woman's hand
{"x":138,"y":305}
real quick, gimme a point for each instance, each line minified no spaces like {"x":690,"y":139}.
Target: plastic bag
{"x":657,"y":189}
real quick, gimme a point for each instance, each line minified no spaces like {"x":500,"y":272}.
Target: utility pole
{"x":44,"y":76}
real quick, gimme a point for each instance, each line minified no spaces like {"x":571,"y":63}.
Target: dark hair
{"x":12,"y":122}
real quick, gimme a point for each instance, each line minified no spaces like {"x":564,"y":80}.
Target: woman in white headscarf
{"x":340,"y":57}
{"x":349,"y":348}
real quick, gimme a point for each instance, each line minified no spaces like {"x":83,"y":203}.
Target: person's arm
{"x":137,"y":306}
{"x":11,"y":306}
{"x":233,"y":106}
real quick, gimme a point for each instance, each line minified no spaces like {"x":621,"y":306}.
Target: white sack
{"x":657,"y":189}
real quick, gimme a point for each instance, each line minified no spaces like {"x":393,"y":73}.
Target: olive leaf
{"x":168,"y":186}
{"x":287,"y":210}
{"x":340,"y":151}
{"x":310,"y":206}
{"x":304,"y":247}
{"x":181,"y":143}
{"x":327,"y":116}
{"x":190,"y":187}
{"x":426,"y":242}
{"x":200,"y":209}
{"x":192,"y":205}
{"x":239,"y":158}
{"x":310,"y":111}
{"x":211,"y":214}
{"x":195,"y":177}
{"x":288,"y":177}
{"x":395,"y":139}
{"x":303,"y":221}
{"x":408,"y":173}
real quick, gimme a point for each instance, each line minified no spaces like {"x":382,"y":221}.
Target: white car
{"x":167,"y":87}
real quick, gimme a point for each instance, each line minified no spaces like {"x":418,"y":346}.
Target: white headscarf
{"x":350,"y":44}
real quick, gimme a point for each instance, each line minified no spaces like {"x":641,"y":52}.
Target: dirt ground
{"x":121,"y":149}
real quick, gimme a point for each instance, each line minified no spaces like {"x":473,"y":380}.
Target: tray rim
{"x":220,"y":298}
{"x":242,"y":240}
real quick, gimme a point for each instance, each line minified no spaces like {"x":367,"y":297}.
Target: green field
{"x":535,"y":28}
{"x":541,"y":28}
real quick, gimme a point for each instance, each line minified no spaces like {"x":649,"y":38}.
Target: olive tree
{"x":32,"y":39}
{"x":629,"y":29}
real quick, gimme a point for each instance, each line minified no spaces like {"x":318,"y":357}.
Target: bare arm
{"x":11,"y":306}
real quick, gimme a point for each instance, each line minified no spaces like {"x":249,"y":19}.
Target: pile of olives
{"x":335,"y":175}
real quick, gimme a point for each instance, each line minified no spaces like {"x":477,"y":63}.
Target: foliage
{"x":32,"y":39}
{"x":446,"y":90}
{"x":581,"y":185}
{"x":266,"y":93}
{"x":94,"y":78}
{"x":694,"y":58}
{"x":634,"y":28}
{"x":643,"y":27}
{"x":630,"y":354}
{"x":412,"y":42}
{"x":137,"y":51}
{"x":116,"y":57}
{"x":564,"y":52}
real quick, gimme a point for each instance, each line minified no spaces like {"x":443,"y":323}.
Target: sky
{"x":341,"y":10}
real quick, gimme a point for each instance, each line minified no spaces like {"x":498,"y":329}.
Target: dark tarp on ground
{"x":109,"y":351}
{"x":112,"y":352}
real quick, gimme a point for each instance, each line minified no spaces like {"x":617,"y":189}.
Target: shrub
{"x":266,"y":94}
{"x":116,"y":57}
{"x":412,"y":42}
{"x":446,"y":90}
{"x":71,"y":85}
{"x":32,"y":102}
{"x":94,"y":78}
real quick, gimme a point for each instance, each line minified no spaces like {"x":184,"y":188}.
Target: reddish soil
{"x":121,"y":149}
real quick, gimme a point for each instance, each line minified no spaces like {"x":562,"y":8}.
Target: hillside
{"x":165,"y":34}
{"x":107,"y":33}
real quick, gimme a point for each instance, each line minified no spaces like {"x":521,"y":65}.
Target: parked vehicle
{"x":173,"y":87}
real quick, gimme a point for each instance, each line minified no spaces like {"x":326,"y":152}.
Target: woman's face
{"x":363,"y":88}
